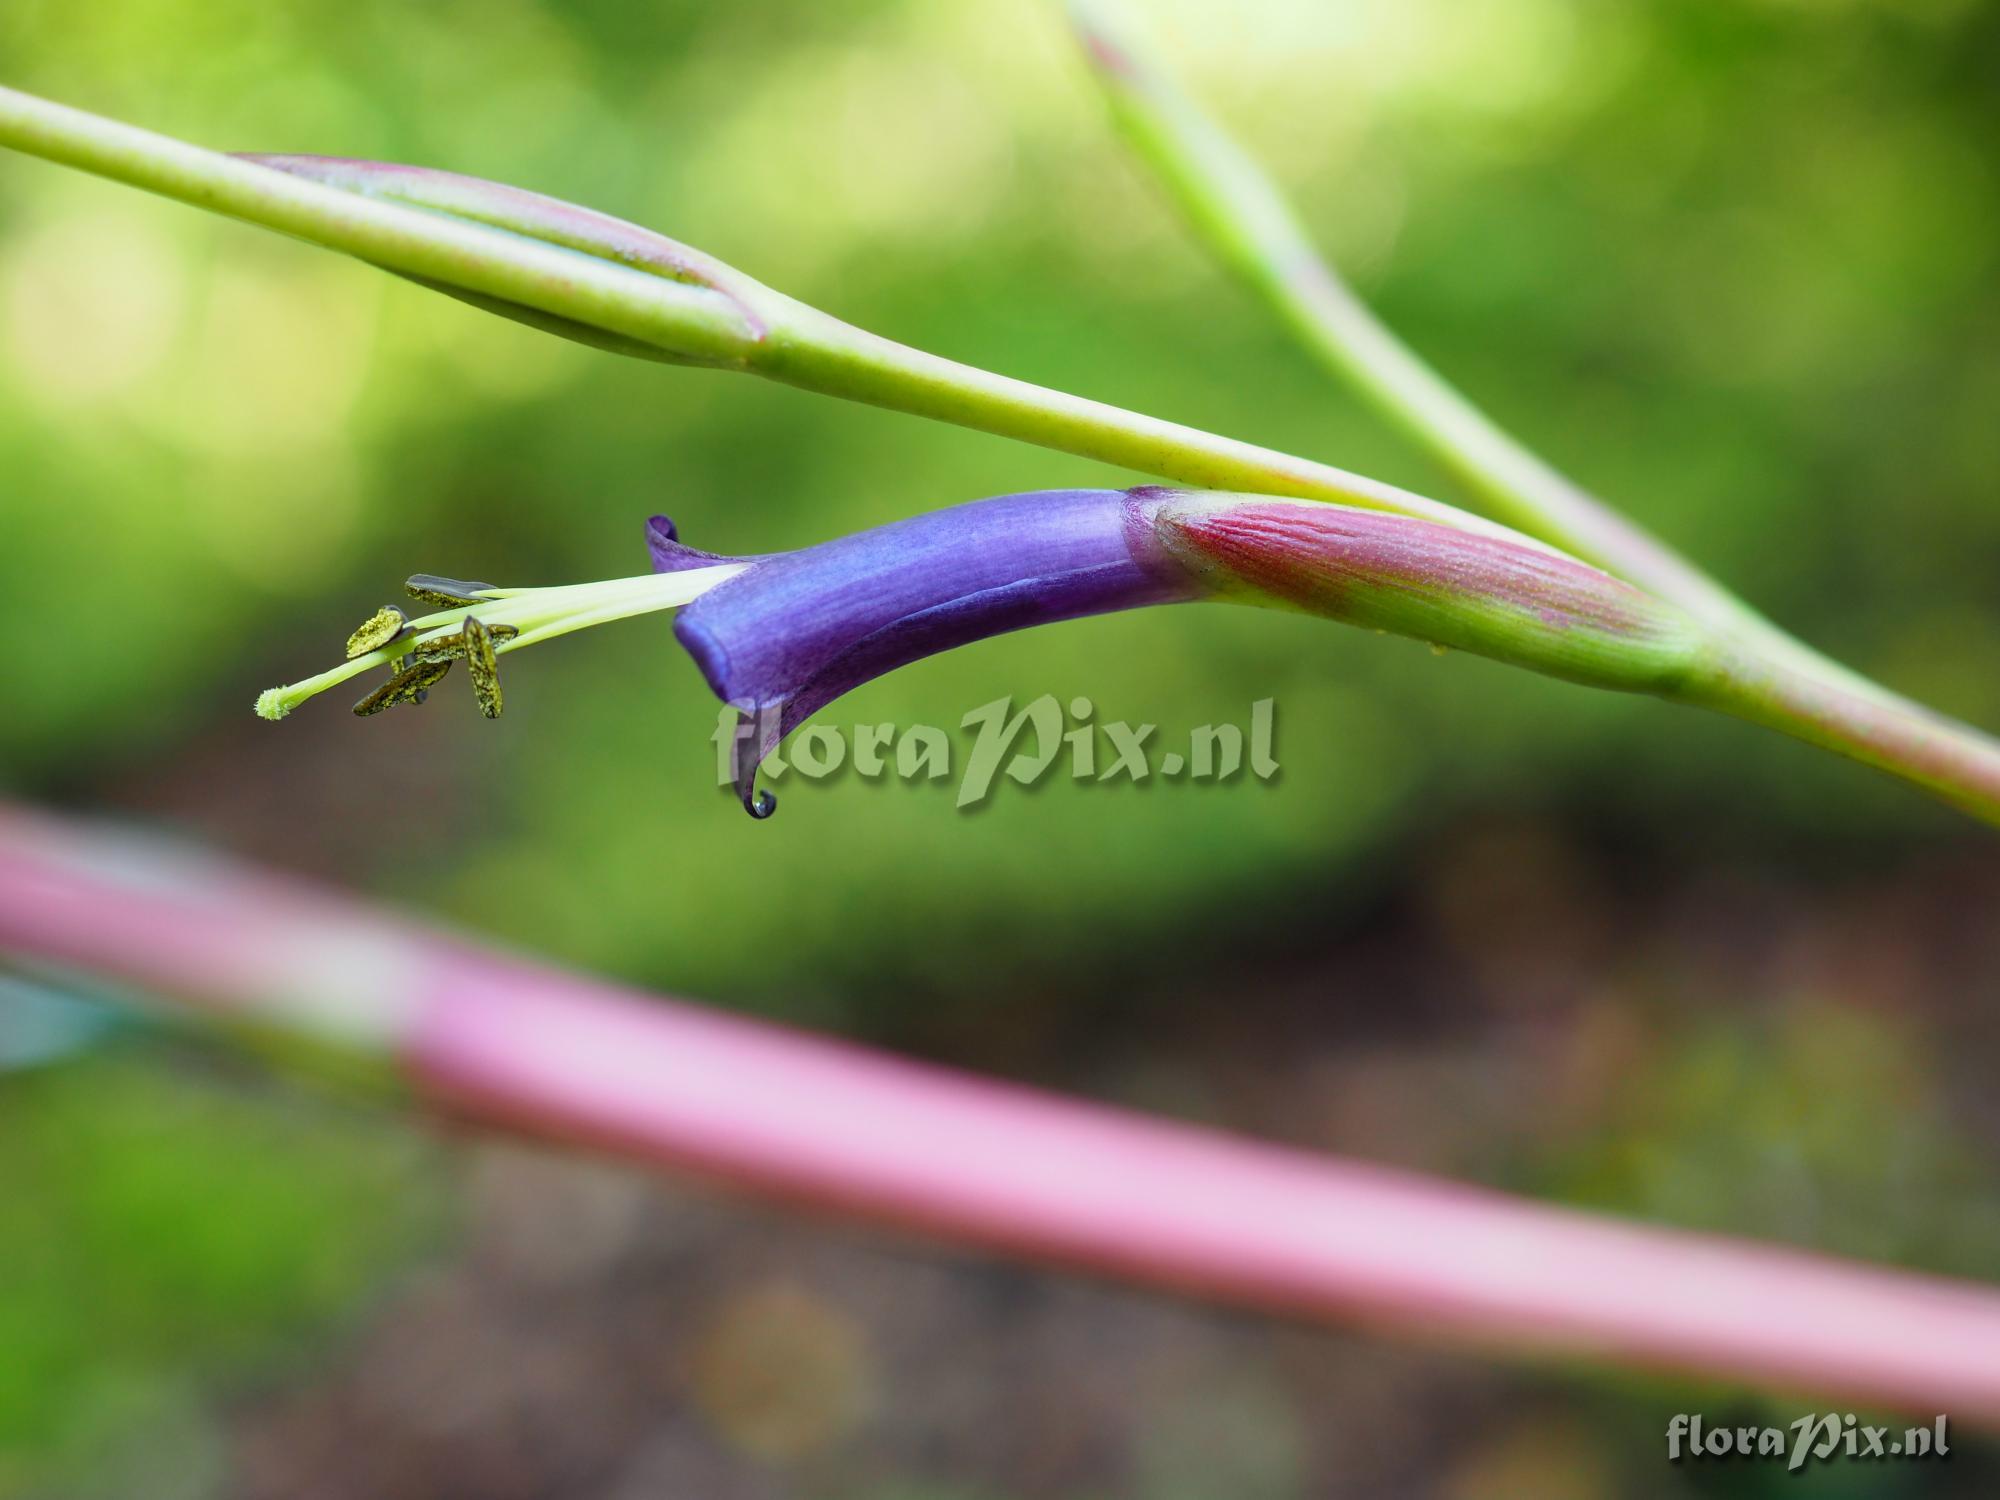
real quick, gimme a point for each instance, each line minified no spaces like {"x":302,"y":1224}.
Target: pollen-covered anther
{"x":480,"y":662}
{"x":445,"y":593}
{"x":411,"y":685}
{"x":387,"y":624}
{"x":450,"y":648}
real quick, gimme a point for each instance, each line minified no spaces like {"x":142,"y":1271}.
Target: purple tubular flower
{"x":781,"y":636}
{"x":796,"y":630}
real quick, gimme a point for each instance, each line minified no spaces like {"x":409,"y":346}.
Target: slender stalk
{"x":1857,"y":719}
{"x":820,"y":353}
{"x":586,"y":276}
{"x":723,"y":320}
{"x":1241,"y":215}
{"x":1002,"y":1169}
{"x":705,"y":325}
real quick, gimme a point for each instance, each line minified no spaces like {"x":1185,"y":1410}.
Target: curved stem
{"x":702,"y":325}
{"x":817,"y":352}
{"x":1855,"y":718}
{"x":1241,"y":216}
{"x":866,"y":1136}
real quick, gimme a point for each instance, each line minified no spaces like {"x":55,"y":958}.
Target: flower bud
{"x":1515,"y":601}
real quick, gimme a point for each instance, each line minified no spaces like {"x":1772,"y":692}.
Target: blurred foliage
{"x":1731,"y":262}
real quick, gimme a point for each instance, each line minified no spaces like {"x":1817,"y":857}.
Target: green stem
{"x":1858,"y":719}
{"x":1240,"y":214}
{"x":700,"y":324}
{"x":816,"y":352}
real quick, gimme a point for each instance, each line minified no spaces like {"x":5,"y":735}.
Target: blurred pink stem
{"x":1003,"y":1168}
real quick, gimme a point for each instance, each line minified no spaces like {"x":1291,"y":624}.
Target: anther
{"x":445,"y":593}
{"x":477,"y":643}
{"x":452,"y":647}
{"x":380,"y":628}
{"x":412,"y":685}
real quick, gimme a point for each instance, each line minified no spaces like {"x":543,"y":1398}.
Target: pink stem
{"x":1005,"y":1168}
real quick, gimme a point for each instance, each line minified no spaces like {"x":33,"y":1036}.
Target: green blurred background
{"x":1731,"y":262}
